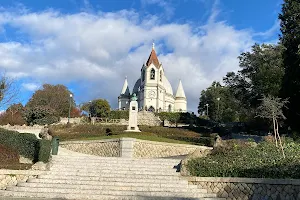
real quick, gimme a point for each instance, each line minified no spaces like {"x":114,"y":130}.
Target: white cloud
{"x":95,"y":51}
{"x":30,"y":86}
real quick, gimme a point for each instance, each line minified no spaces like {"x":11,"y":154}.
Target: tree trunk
{"x":275,"y":134}
{"x":280,"y":143}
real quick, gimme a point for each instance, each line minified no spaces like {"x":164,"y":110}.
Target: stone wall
{"x":250,"y":188}
{"x":105,"y":148}
{"x":150,"y":149}
{"x":130,"y":147}
{"x":36,"y":129}
{"x":64,"y":120}
{"x":13,"y":177}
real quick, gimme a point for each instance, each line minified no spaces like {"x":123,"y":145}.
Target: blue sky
{"x":91,"y":45}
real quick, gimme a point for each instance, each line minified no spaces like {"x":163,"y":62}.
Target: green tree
{"x":56,"y":97}
{"x":261,"y":74}
{"x":290,"y":38}
{"x":40,"y":115}
{"x":99,"y":108}
{"x":221,"y":104}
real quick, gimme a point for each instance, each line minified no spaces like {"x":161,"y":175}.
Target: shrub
{"x":119,"y":114}
{"x":246,"y":160}
{"x":44,"y":150}
{"x":25,"y":143}
{"x":8,"y":155}
{"x":40,"y":115}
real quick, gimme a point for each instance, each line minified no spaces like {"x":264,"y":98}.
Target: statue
{"x":134,"y":98}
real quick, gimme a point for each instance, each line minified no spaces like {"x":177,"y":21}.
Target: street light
{"x":206,"y":109}
{"x":70,"y":107}
{"x":218,"y":107}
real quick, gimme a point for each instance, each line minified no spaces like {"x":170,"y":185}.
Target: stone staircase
{"x":148,"y":119}
{"x":90,"y":177}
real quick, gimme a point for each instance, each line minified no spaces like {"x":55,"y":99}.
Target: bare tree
{"x":8,"y":90}
{"x":271,"y":108}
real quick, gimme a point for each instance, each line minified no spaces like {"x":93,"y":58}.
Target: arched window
{"x":160,"y":76}
{"x":152,"y":74}
{"x":170,"y":108}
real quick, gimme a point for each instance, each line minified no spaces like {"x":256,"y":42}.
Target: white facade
{"x":153,"y":90}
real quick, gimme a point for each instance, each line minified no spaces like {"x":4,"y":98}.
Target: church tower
{"x":153,"y":90}
{"x":180,"y":99}
{"x":124,"y":97}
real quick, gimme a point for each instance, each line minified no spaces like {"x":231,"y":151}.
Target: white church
{"x":153,"y":90}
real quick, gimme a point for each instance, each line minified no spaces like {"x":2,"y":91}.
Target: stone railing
{"x":249,"y":188}
{"x":105,"y":148}
{"x":130,"y":147}
{"x":150,"y":149}
{"x":64,"y":120}
{"x":13,"y":177}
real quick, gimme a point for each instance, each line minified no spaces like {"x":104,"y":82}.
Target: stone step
{"x":111,"y":159}
{"x":110,"y":168}
{"x":102,"y":177}
{"x":87,"y":161}
{"x":109,"y":192}
{"x":143,"y":188}
{"x":81,"y":165}
{"x":112,"y":173}
{"x":94,"y":197}
{"x":106,"y":183}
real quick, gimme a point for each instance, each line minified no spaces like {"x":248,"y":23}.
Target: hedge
{"x":44,"y":150}
{"x":119,"y":114}
{"x":26,"y":144}
{"x":261,"y":161}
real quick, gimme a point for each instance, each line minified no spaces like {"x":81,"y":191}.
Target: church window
{"x":160,"y":76}
{"x":152,"y":74}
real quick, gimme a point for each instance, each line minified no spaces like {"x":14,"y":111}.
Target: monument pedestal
{"x":133,"y":113}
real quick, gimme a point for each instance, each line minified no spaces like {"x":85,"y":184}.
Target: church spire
{"x":125,"y":89}
{"x":180,"y":91}
{"x":153,"y":58}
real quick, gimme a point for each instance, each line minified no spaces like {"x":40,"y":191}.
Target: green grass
{"x":141,"y":136}
{"x":160,"y":134}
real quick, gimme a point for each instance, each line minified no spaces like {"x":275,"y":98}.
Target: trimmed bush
{"x":239,"y":159}
{"x":8,"y":155}
{"x":25,"y":143}
{"x":118,"y":114}
{"x":44,"y":150}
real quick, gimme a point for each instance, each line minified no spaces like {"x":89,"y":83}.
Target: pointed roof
{"x":180,"y":91}
{"x":153,"y":58}
{"x":125,"y":89}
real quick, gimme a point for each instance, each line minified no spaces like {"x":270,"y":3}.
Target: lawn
{"x":161,"y":134}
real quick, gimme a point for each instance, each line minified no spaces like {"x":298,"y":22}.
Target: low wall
{"x":250,"y":188}
{"x":105,"y":148}
{"x":13,"y":177}
{"x":151,"y":149}
{"x":130,"y":147}
{"x":36,"y":129}
{"x":64,"y":120}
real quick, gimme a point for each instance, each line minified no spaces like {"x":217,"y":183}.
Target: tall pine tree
{"x":290,"y":38}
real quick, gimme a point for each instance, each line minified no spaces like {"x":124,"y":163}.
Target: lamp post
{"x":206,"y":109}
{"x":218,"y":99}
{"x":69,"y":107}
